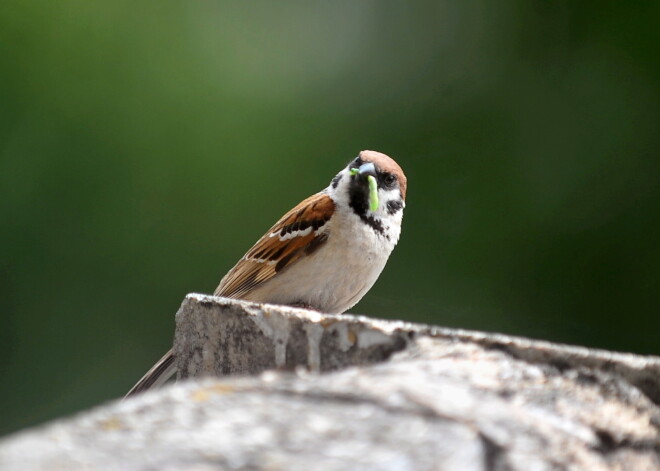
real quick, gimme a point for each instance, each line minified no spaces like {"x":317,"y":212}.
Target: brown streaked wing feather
{"x":271,"y":255}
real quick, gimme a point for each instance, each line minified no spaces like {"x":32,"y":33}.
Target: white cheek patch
{"x":389,"y":195}
{"x":340,"y":193}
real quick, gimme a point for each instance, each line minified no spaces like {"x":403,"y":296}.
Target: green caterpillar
{"x":373,"y":193}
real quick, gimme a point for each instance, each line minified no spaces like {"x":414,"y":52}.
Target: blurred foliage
{"x":135,"y":137}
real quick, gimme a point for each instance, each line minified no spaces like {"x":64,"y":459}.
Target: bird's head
{"x":374,"y":185}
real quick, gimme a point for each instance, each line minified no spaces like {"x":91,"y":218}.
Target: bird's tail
{"x":163,"y":370}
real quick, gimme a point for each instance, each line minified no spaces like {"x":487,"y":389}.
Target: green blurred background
{"x":135,"y":137}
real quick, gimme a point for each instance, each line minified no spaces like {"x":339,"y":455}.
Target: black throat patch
{"x":358,"y":200}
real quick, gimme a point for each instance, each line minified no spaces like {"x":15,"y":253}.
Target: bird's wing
{"x":299,"y":232}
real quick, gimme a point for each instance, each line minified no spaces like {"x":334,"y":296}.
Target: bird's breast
{"x":337,"y":275}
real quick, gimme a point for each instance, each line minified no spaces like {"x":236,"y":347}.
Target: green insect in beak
{"x":373,"y":193}
{"x":373,"y":184}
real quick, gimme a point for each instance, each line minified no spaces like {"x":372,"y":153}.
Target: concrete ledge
{"x":322,"y":392}
{"x":221,"y":336}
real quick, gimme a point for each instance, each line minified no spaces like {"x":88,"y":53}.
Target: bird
{"x":324,"y":254}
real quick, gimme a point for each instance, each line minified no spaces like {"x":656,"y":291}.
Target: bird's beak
{"x":367,"y":169}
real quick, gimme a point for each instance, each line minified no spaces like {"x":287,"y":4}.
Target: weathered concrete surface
{"x":219,"y":336}
{"x":443,"y":400}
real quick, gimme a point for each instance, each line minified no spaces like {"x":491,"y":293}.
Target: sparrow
{"x":325,"y":253}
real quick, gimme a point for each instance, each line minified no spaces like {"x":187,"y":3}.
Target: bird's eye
{"x":389,"y":179}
